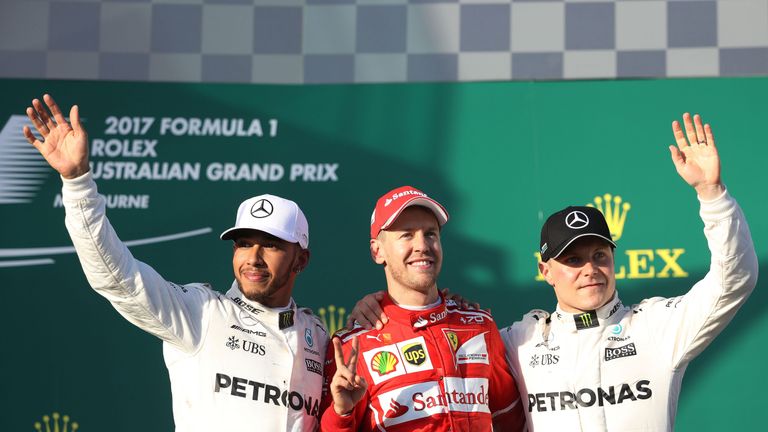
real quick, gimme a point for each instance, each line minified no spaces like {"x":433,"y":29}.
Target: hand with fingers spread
{"x":347,"y":387}
{"x":696,"y":158}
{"x":64,"y":147}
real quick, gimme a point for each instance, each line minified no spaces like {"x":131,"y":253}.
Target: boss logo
{"x":314,"y":366}
{"x":624,"y":351}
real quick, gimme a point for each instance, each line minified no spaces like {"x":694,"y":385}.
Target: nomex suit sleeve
{"x":504,"y":397}
{"x":169,"y":311}
{"x":686,"y":325}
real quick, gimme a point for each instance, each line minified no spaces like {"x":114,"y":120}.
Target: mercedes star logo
{"x":576,"y":220}
{"x":261,"y":208}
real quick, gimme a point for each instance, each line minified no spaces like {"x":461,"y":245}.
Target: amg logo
{"x":586,"y":398}
{"x":624,"y":351}
{"x":244,"y":330}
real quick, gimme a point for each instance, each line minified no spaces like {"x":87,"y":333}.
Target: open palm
{"x":64,"y":146}
{"x":696,"y":159}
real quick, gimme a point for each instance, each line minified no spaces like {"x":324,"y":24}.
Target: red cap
{"x":392,"y":203}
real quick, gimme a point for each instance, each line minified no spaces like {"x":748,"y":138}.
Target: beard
{"x":422,"y":282}
{"x":263,"y":295}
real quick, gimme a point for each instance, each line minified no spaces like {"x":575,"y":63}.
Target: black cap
{"x":571,"y":223}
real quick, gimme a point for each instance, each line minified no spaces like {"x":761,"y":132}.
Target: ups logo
{"x":415,"y":354}
{"x":649,"y":263}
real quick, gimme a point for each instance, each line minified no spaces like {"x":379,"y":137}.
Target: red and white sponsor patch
{"x":429,"y":398}
{"x":468,"y":346}
{"x":389,"y":361}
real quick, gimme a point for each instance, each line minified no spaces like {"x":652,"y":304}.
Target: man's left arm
{"x":504,"y":399}
{"x":710,"y":305}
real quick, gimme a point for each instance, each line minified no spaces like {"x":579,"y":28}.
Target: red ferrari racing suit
{"x":437,"y":369}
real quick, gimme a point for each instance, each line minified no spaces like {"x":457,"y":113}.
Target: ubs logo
{"x":544,"y":360}
{"x":262,"y":208}
{"x":233,"y":343}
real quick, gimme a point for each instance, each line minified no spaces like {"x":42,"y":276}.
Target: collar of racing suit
{"x":605,"y":315}
{"x":417,"y":319}
{"x":279,"y":317}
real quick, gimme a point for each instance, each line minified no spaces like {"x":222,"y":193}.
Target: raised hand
{"x":347,"y":387}
{"x":64,"y":147}
{"x":696,"y":158}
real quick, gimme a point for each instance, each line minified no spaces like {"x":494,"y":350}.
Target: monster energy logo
{"x":586,"y":320}
{"x":285,"y":319}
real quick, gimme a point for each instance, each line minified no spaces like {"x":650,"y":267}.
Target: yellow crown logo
{"x":332,"y":318}
{"x":615,"y":212}
{"x":66,"y":426}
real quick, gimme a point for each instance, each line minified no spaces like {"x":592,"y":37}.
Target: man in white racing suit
{"x":595,"y":364}
{"x":246,"y":360}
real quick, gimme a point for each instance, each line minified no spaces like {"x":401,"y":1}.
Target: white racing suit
{"x":620,"y":368}
{"x":234,"y":364}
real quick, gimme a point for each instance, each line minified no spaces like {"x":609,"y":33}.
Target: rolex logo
{"x":332,"y":317}
{"x":57,"y":426}
{"x":615,"y":212}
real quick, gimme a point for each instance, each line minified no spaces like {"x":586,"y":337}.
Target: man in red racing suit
{"x":434,"y":366}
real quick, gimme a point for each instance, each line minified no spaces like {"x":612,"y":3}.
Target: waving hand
{"x":64,"y":147}
{"x":696,"y":158}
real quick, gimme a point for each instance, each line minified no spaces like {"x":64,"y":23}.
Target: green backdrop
{"x":500,"y":156}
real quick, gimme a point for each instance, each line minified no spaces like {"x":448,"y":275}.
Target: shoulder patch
{"x":347,"y":334}
{"x":308,"y":312}
{"x":537,"y":314}
{"x":470,"y":316}
{"x":194,"y":286}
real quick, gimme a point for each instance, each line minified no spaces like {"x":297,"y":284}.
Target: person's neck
{"x":411,"y":297}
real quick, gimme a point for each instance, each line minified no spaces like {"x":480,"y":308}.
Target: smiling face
{"x":411,"y":253}
{"x":266,"y":266}
{"x":582,"y":276}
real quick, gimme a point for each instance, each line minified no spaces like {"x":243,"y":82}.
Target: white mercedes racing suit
{"x":234,"y":364}
{"x":620,"y":368}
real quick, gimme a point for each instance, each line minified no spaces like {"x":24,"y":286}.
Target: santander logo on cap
{"x":391,"y":204}
{"x":402,"y":194}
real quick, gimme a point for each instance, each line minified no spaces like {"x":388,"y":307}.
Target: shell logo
{"x":384,"y":362}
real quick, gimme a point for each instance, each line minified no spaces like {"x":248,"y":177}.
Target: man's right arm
{"x":169,"y":311}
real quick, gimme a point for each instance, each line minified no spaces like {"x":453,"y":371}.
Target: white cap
{"x":274,"y":215}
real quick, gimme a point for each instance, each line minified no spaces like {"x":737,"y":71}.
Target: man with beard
{"x":248,"y":359}
{"x":595,"y":364}
{"x":434,"y":366}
